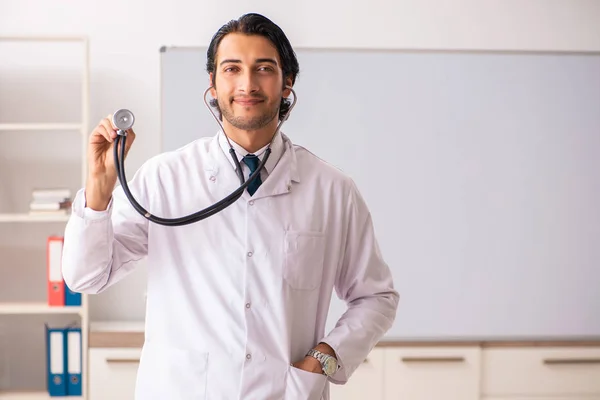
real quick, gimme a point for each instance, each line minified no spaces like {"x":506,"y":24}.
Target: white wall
{"x":125,"y":37}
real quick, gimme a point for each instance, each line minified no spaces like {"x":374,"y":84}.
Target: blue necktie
{"x":252,"y":162}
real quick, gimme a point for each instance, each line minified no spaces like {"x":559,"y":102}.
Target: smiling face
{"x":248,"y":82}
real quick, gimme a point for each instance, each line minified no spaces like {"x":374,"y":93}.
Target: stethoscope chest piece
{"x":123,"y":119}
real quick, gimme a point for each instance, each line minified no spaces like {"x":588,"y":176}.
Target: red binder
{"x":56,"y":284}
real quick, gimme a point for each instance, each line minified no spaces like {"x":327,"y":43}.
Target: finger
{"x":100,"y":135}
{"x":109,"y":128}
{"x":131,"y":132}
{"x":110,"y":121}
{"x":129,"y":140}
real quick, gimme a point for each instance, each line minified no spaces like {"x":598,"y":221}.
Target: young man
{"x":237,"y":303}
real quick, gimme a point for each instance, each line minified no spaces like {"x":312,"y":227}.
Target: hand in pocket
{"x":304,"y":385}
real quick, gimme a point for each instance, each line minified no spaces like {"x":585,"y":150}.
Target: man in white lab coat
{"x":237,"y":303}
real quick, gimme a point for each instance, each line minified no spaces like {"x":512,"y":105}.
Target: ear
{"x":288,"y":82}
{"x":213,"y":92}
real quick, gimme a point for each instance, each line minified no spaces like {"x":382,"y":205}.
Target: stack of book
{"x":50,"y":201}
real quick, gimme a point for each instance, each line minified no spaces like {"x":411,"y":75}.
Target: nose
{"x":248,"y":83}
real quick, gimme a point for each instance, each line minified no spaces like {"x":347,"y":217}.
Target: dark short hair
{"x":256,"y":24}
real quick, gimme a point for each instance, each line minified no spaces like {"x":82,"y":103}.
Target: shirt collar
{"x":277,"y":149}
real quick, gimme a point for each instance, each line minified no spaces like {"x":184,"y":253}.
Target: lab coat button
{"x":248,"y":356}
{"x":212,"y":178}
{"x":251,"y":202}
{"x":249,"y":254}
{"x":247,"y":305}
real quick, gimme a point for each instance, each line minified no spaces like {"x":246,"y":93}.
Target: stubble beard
{"x":245,"y":123}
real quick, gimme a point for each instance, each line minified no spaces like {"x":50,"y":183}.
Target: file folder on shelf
{"x":72,"y":298}
{"x":56,"y":284}
{"x":74,"y":363}
{"x":56,"y":362}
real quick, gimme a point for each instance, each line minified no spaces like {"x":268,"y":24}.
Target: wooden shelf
{"x":32,"y":38}
{"x":33,"y":396}
{"x":25,"y":217}
{"x":40,"y":127}
{"x":37,"y":308}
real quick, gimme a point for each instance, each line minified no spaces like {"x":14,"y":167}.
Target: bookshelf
{"x":34,"y":396}
{"x":41,"y":127}
{"x":22,"y":217}
{"x":22,"y":308}
{"x":21,"y":220}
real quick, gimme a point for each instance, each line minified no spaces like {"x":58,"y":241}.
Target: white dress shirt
{"x":234,"y":299}
{"x":276,"y":151}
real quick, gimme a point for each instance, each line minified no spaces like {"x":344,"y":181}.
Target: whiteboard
{"x":481,"y":170}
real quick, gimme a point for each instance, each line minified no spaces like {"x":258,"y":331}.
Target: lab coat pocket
{"x":304,"y":385}
{"x":304,"y":254}
{"x":166,"y":372}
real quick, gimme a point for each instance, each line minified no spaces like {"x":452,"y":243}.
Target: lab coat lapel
{"x":223,"y":179}
{"x":219,"y":170}
{"x":280,"y":181}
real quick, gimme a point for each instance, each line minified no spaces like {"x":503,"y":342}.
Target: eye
{"x":230,"y":69}
{"x":265,"y":68}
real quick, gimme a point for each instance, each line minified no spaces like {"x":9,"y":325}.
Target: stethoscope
{"x":123,"y":119}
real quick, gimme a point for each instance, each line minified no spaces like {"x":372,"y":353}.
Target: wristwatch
{"x":329,"y":364}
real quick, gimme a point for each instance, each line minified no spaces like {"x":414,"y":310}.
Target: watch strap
{"x":321,"y":357}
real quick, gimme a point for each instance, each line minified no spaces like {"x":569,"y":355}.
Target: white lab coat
{"x":234,"y":299}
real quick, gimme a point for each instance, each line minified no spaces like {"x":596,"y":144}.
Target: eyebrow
{"x":257,"y":61}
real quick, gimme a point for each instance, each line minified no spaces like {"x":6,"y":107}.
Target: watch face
{"x":330,"y":366}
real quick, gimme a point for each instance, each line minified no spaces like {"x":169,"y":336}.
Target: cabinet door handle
{"x":122,"y":360}
{"x":432,"y":359}
{"x":556,"y":361}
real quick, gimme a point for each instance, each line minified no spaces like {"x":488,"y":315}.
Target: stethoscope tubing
{"x":119,"y":157}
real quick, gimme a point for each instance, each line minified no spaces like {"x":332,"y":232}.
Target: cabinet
{"x":113,"y":373}
{"x":367,"y":381}
{"x":403,"y":370}
{"x":545,"y":372}
{"x":36,"y":130}
{"x":541,"y":398}
{"x":478,"y":371}
{"x":424,"y":373}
